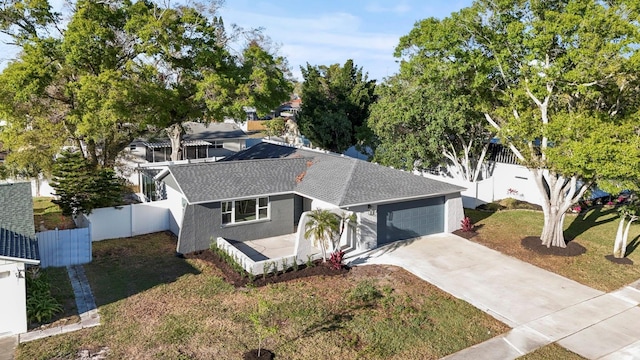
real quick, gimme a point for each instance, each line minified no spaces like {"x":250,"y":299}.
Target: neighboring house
{"x":200,"y":141}
{"x":18,"y":247}
{"x":263,"y":191}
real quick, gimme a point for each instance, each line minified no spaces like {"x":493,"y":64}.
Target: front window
{"x":237,"y":211}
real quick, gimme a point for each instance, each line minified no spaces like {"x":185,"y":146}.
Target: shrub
{"x":41,"y":305}
{"x":336,"y":259}
{"x":466,"y":224}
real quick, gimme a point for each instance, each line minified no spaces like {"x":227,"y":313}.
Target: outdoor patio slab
{"x":268,"y":248}
{"x":608,"y":336}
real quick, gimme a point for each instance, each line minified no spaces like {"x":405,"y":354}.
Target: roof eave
{"x":240,"y":197}
{"x":23,"y":260}
{"x":406,"y":198}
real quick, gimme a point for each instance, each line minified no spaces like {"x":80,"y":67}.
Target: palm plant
{"x":322,"y":226}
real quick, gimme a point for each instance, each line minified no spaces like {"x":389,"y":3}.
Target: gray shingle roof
{"x":17,"y":207}
{"x":269,"y":168}
{"x":227,"y":180}
{"x":17,"y":232}
{"x":14,"y":245}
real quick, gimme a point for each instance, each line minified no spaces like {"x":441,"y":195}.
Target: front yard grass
{"x":155,"y":305}
{"x":595,"y":230}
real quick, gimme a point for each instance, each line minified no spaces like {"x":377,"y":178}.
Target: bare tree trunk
{"x":559,"y":193}
{"x":617,"y":244}
{"x":175,"y":136}
{"x":625,"y":237}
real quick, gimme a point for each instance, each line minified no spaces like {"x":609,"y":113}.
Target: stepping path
{"x":85,"y":303}
{"x":540,"y":306}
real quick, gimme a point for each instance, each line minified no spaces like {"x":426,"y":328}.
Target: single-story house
{"x":200,"y":141}
{"x":263,"y":191}
{"x":18,"y":247}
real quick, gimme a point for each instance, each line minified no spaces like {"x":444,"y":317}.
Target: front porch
{"x":267,"y":248}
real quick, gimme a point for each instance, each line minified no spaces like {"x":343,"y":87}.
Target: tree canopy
{"x":421,"y":122}
{"x":120,"y":66}
{"x":336,"y":106}
{"x":81,"y":187}
{"x":558,"y":80}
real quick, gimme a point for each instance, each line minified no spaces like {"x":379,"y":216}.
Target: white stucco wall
{"x":13,"y":308}
{"x":176,"y":212}
{"x":453,"y":212}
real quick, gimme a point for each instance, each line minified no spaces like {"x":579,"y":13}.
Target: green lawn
{"x":552,"y":352}
{"x":154,"y":305}
{"x":595,"y":231}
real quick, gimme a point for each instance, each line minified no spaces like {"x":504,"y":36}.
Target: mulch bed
{"x":621,"y":261}
{"x":533,"y":243}
{"x":318,"y":268}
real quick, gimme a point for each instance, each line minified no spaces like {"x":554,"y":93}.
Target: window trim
{"x":232,"y":211}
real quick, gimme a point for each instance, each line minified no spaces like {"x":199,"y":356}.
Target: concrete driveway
{"x":540,"y":306}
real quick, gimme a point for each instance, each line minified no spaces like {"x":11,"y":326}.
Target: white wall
{"x":506,"y":181}
{"x":129,"y":220}
{"x":453,"y":212}
{"x":13,"y":303}
{"x":176,"y":212}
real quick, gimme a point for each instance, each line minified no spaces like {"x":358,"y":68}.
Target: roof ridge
{"x":348,"y":180}
{"x":232,"y":162}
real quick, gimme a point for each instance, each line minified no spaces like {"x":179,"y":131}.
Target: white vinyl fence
{"x":64,"y":247}
{"x":127,"y":220}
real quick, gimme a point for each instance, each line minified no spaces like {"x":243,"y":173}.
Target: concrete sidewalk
{"x":540,"y":306}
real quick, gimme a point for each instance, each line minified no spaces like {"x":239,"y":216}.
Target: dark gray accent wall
{"x":203,"y":222}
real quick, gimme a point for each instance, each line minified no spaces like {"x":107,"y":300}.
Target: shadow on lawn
{"x":587,"y":220}
{"x":125,"y":267}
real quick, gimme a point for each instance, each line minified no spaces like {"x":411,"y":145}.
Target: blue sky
{"x":330,"y":31}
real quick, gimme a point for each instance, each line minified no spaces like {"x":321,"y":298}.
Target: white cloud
{"x":323,"y":40}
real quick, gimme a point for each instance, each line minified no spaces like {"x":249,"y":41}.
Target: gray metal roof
{"x":16,"y":246}
{"x":212,"y":131}
{"x":269,"y":168}
{"x":164,"y":144}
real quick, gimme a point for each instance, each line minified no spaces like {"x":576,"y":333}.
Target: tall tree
{"x":558,"y":80}
{"x":421,"y":123}
{"x":336,"y":104}
{"x":201,"y":78}
{"x":81,"y":186}
{"x":83,"y":79}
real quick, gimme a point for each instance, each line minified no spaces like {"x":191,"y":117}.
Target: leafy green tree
{"x":83,"y":80}
{"x":322,"y":227}
{"x":200,"y":78}
{"x":336,"y":104}
{"x":422,"y":123}
{"x":557,"y":80}
{"x":275,"y":127}
{"x":81,"y":186}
